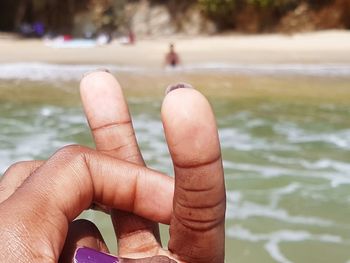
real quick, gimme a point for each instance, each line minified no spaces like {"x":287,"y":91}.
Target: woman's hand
{"x":197,"y":224}
{"x":35,"y":218}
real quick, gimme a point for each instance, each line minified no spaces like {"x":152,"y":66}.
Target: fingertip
{"x":180,"y":85}
{"x":190,"y":127}
{"x":97,"y":82}
{"x":102,"y":98}
{"x":182,"y":99}
{"x":96,"y":76}
{"x":96,"y":70}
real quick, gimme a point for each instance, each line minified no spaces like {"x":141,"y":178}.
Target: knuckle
{"x":10,"y":176}
{"x":73,"y":149}
{"x":74,"y":158}
{"x":72,"y":153}
{"x":15,"y":167}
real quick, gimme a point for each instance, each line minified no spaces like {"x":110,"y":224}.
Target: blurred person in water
{"x":39,"y":200}
{"x":172,"y":59}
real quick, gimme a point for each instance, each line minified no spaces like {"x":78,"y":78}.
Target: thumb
{"x":197,"y":225}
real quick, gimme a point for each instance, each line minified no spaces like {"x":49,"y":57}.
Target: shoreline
{"x":39,"y":71}
{"x":324,"y":47}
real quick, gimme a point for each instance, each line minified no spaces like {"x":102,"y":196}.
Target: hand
{"x":197,"y":223}
{"x":35,"y":213}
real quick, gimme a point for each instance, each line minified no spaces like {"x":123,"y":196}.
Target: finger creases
{"x":76,"y":176}
{"x":109,"y":119}
{"x":108,"y":115}
{"x":199,"y":199}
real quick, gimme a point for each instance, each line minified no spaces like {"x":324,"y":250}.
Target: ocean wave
{"x":296,"y":135}
{"x":238,"y":209}
{"x":47,"y":72}
{"x":274,"y":69}
{"x":233,"y":138}
{"x":274,"y":239}
{"x":313,"y":165}
{"x":37,"y":71}
{"x":335,"y":178}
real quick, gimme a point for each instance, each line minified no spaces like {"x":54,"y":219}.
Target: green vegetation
{"x":241,"y":15}
{"x":231,"y":14}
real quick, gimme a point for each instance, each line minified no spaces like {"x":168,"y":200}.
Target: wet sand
{"x":308,"y":48}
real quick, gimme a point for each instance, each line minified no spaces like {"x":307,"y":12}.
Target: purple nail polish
{"x":88,"y":255}
{"x":178,"y":86}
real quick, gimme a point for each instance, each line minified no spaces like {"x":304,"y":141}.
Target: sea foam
{"x":38,"y":71}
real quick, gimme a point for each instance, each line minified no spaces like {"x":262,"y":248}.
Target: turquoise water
{"x":285,"y":144}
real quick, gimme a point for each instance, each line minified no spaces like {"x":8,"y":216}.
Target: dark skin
{"x":39,"y":200}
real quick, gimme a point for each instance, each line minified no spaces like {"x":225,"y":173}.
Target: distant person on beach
{"x":172,"y":59}
{"x":39,"y":200}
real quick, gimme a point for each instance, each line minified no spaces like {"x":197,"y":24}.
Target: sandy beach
{"x":307,"y":48}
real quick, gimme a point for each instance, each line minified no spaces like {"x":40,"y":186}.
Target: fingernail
{"x":177,"y":86}
{"x":88,"y":255}
{"x":95,"y":70}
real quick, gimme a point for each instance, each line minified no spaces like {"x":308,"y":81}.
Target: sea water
{"x":285,"y":142}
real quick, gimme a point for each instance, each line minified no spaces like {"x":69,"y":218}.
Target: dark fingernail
{"x":96,"y":70}
{"x":177,"y":86}
{"x":88,"y":255}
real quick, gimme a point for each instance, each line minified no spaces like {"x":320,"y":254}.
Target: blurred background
{"x":276,"y":72}
{"x":152,"y":17}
